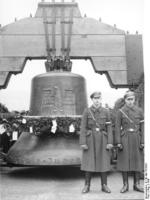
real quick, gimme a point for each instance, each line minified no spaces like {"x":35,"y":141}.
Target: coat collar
{"x":126,"y":108}
{"x":94,"y":109}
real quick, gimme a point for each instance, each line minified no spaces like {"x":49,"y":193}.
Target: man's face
{"x":130,"y":101}
{"x":96,"y":101}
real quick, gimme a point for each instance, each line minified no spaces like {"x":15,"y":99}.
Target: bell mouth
{"x":30,"y":150}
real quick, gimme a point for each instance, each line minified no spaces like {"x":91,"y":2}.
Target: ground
{"x":58,"y":183}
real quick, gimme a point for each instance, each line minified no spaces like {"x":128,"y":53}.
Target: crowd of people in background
{"x":9,"y":131}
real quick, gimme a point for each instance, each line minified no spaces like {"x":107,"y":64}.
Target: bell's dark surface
{"x":53,"y":95}
{"x":58,"y":93}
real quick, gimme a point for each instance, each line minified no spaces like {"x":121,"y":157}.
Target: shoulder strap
{"x":97,"y":124}
{"x":92,"y":115}
{"x":130,"y":120}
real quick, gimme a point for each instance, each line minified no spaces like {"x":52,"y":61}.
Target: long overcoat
{"x":96,"y":158}
{"x":129,"y":131}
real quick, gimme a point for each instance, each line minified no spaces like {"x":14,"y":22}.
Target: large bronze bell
{"x":55,"y":94}
{"x":58,"y":93}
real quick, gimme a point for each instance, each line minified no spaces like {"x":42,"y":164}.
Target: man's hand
{"x":84,"y":146}
{"x":141,"y":146}
{"x":120,"y":147}
{"x":109,"y":146}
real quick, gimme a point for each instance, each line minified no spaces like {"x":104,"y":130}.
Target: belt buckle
{"x":131,"y":129}
{"x":97,"y":129}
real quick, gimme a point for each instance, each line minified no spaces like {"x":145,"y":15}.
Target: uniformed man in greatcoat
{"x":130,"y":141}
{"x":96,"y":141}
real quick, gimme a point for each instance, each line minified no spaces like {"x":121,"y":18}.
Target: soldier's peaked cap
{"x":96,"y":94}
{"x":129,"y":93}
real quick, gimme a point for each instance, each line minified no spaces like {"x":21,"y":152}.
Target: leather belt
{"x":98,"y":129}
{"x":131,"y":129}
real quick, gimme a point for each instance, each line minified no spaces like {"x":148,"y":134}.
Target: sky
{"x":128,"y":15}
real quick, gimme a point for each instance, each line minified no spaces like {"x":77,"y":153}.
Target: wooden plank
{"x":12,"y":64}
{"x":92,"y":26}
{"x":58,"y":5}
{"x":115,"y":69}
{"x":23,"y":46}
{"x":34,"y":26}
{"x":4,"y":78}
{"x":118,"y":78}
{"x":91,"y":45}
{"x":98,"y":45}
{"x":134,"y":58}
{"x":109,"y":63}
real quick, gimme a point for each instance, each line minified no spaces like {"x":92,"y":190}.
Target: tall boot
{"x":125,"y":187}
{"x":86,"y":188}
{"x":105,"y":188}
{"x":136,"y":185}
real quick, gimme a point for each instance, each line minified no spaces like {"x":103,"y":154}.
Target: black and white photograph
{"x":73,"y":105}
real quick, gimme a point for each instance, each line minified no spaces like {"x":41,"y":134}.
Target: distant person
{"x":130,"y":140}
{"x":5,"y":138}
{"x":96,"y":141}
